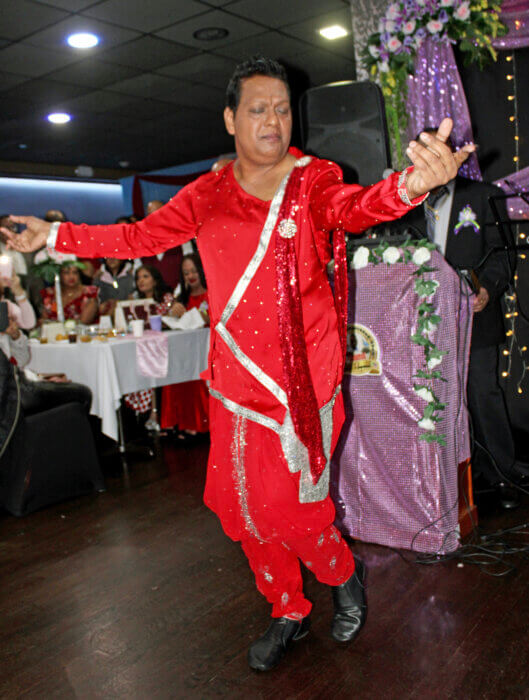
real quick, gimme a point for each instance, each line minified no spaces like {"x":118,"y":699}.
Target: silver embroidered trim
{"x":238,"y":451}
{"x":257,"y":259}
{"x":251,"y":366}
{"x":256,"y":417}
{"x":52,"y":235}
{"x":262,"y":247}
{"x":295,"y":452}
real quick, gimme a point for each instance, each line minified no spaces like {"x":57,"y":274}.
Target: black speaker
{"x":346,"y":122}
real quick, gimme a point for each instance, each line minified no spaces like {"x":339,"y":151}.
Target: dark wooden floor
{"x":137,"y":593}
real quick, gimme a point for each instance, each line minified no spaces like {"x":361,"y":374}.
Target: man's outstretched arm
{"x":165,"y":228}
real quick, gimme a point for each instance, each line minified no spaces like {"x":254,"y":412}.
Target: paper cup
{"x":137,"y":327}
{"x":105,"y":323}
{"x":156,"y":322}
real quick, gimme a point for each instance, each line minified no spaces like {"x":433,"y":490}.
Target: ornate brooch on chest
{"x":287,"y":228}
{"x":467,"y":217}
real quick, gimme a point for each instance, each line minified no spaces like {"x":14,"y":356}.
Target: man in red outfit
{"x":263,"y":227}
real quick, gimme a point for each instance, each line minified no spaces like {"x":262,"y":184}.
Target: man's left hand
{"x":481,"y":300}
{"x":434,"y":162}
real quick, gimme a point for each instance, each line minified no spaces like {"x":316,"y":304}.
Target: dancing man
{"x":263,"y":226}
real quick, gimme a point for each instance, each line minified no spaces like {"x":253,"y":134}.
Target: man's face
{"x":262,"y":123}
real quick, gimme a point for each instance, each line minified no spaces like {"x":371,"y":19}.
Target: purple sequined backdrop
{"x":517,"y":208}
{"x":515,"y":14}
{"x":387,"y":484}
{"x":435,"y":92}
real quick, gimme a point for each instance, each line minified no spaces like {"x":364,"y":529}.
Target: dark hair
{"x":160,"y":285}
{"x":122,"y":264}
{"x":49,"y":216}
{"x":256,"y":65}
{"x":183,"y":297}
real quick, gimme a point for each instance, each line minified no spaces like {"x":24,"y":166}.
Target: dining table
{"x":114,"y":366}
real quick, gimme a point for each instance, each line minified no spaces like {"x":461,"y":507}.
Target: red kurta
{"x":228,"y":224}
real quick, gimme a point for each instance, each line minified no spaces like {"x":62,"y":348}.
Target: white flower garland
{"x":419,"y":253}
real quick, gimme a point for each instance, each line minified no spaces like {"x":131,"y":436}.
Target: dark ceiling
{"x":150,"y":94}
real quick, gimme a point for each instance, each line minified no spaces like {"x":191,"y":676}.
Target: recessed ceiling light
{"x":333,"y":32}
{"x":83,"y":40}
{"x":210,"y":33}
{"x":23,"y":146}
{"x":59,"y":118}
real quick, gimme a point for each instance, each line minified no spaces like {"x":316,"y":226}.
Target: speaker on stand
{"x":346,"y":122}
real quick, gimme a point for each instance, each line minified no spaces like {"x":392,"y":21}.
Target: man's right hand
{"x":32,"y":238}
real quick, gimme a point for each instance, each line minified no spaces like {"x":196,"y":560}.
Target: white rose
{"x":409,"y":27}
{"x":360,"y":258}
{"x":393,"y":11}
{"x":433,"y":362}
{"x":447,"y":3}
{"x":41,"y":256}
{"x":463,"y":11}
{"x":383,"y":67}
{"x":391,"y":255}
{"x":425,"y":394}
{"x":374,"y":51}
{"x":420,"y":256}
{"x":426,"y":424}
{"x":434,"y":26}
{"x":390,"y":26}
{"x":394,"y":44}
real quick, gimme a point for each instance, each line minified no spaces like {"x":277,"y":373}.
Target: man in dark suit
{"x":459,"y":219}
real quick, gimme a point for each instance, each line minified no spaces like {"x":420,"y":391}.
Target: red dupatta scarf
{"x":297,"y":379}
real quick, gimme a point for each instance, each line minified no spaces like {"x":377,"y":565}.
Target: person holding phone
{"x":18,"y":306}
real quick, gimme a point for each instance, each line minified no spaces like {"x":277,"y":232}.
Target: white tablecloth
{"x":110,"y":370}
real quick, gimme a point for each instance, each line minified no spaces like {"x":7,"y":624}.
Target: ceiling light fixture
{"x":333,"y":32}
{"x":83,"y":40}
{"x":210,"y":33}
{"x":59,"y":118}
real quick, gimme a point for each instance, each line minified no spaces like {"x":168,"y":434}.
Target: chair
{"x":51,"y":457}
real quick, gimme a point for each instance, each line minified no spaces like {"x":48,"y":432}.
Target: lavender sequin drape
{"x":515,"y":14}
{"x":435,"y":92}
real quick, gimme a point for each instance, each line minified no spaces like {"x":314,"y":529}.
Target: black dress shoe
{"x":508,"y":496}
{"x":269,"y":649}
{"x":350,"y":607}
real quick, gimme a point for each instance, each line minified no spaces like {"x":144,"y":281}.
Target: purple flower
{"x":421,"y":33}
{"x":408,"y":41}
{"x":443,"y":16}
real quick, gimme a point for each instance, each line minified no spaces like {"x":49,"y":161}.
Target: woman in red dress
{"x":150,"y":285}
{"x":79,"y":300}
{"x":186,"y":405}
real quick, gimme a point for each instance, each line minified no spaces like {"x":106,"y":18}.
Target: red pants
{"x":277,"y":572}
{"x":251,"y":489}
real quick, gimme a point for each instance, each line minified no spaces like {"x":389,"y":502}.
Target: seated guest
{"x":150,"y":285}
{"x":168,"y":262}
{"x":36,"y":393}
{"x":115,"y":283}
{"x":79,"y":301}
{"x":186,"y":405}
{"x":18,"y":307}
